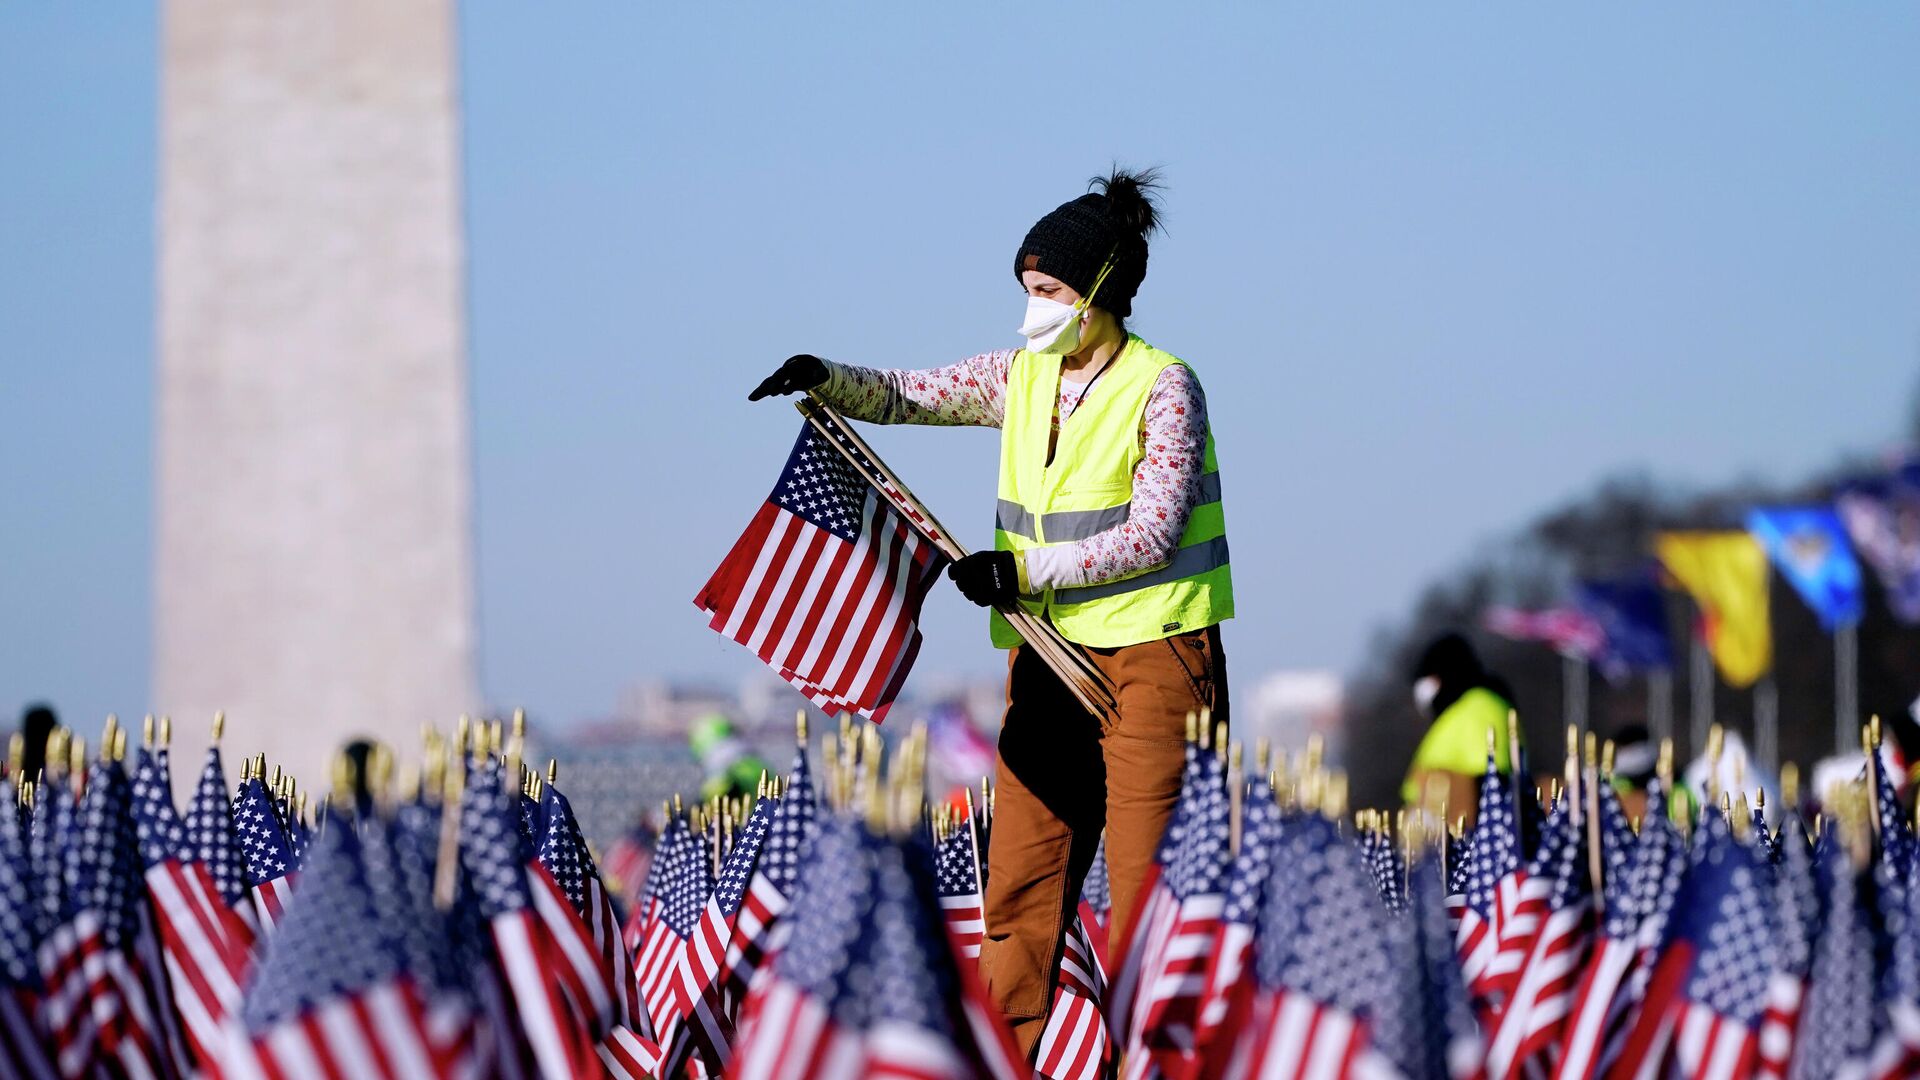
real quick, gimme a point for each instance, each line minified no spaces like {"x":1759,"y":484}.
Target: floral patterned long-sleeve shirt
{"x":973,"y":392}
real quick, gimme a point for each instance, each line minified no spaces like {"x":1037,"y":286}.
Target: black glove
{"x":799,"y":374}
{"x":988,"y":578}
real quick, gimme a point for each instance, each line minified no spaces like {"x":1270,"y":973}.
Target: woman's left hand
{"x":988,"y":578}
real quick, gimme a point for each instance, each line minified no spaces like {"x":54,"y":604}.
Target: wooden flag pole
{"x":973,"y":839}
{"x":1088,"y":684}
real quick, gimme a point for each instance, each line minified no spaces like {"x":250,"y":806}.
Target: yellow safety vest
{"x":1089,"y":488}
{"x":1457,"y":740}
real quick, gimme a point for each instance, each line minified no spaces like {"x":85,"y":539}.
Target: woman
{"x":1109,"y":525}
{"x":1465,"y":707}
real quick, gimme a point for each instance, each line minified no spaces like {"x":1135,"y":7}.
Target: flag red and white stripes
{"x":205,"y":947}
{"x":382,"y":1032}
{"x":1597,"y":1011}
{"x":1075,"y":1044}
{"x":1301,"y":1039}
{"x":1543,"y":995}
{"x":1778,"y":1023}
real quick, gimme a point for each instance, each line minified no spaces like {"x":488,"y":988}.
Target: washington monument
{"x":313,"y":535}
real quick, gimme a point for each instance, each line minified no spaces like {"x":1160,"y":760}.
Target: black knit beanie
{"x":1074,"y":241}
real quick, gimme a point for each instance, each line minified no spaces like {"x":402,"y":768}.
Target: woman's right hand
{"x":798,"y":375}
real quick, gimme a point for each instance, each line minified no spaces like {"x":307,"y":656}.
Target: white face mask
{"x":1052,"y":327}
{"x":1424,"y":692}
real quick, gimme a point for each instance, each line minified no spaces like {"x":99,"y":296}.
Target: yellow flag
{"x":1726,"y":573}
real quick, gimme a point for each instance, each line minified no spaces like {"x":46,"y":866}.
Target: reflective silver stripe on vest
{"x":1209,"y":488}
{"x":1011,"y":517}
{"x":1187,"y":562}
{"x":1068,"y":525}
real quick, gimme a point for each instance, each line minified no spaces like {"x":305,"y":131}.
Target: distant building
{"x":1288,"y":707}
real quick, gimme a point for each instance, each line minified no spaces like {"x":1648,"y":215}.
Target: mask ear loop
{"x":1086,"y":301}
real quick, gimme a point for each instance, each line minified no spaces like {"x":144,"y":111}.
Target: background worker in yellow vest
{"x":1463,"y":702}
{"x":1109,"y":524}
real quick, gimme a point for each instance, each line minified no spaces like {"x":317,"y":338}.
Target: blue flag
{"x":1634,"y":618}
{"x":1882,"y":515}
{"x":1809,"y":546}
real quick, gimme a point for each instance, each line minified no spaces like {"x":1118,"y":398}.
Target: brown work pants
{"x":1062,"y":778}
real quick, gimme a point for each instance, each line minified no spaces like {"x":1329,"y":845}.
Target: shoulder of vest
{"x":1159,"y":358}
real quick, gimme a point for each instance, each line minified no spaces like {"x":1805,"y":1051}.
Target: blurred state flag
{"x":1633,"y":619}
{"x":1810,"y":547}
{"x":1882,"y":515}
{"x":1726,"y":573}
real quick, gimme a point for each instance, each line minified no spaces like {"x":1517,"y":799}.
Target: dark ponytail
{"x":1132,"y":203}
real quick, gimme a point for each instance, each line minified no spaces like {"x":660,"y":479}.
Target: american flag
{"x":1494,"y":878}
{"x":1388,"y":868}
{"x":1320,"y":961}
{"x":1896,"y":1044}
{"x":1797,"y":897}
{"x":212,"y":842}
{"x":628,"y":862}
{"x":204,"y":945}
{"x":1896,"y":836}
{"x":332,"y":995}
{"x":959,"y":875}
{"x":709,"y":1016}
{"x":400,"y":856}
{"x":1152,"y":921}
{"x":667,"y":999}
{"x":1701,"y":1015}
{"x":1530,"y":1022}
{"x":299,"y":835}
{"x":1635,"y":866}
{"x":1568,"y":630}
{"x":1765,"y":841}
{"x":99,"y":1012}
{"x":500,"y":870}
{"x":1075,"y":1044}
{"x":533,"y":820}
{"x":594,"y":969}
{"x":1169,"y":1006}
{"x":1423,"y":1024}
{"x":1096,"y":897}
{"x":646,"y":935}
{"x":1836,"y":1022}
{"x":771,"y":889}
{"x":264,"y":844}
{"x":825,"y":586}
{"x":23,"y":1047}
{"x":866,"y":985}
{"x":806,"y":1019}
{"x":1227,"y":994}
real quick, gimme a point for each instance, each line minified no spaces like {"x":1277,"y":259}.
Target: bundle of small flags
{"x":453,"y":922}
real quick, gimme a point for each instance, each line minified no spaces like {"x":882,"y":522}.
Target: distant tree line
{"x":1608,"y":533}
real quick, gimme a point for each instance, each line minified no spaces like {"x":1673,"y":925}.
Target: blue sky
{"x":1438,"y":267}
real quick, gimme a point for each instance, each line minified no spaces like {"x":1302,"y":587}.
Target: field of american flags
{"x":453,"y":922}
